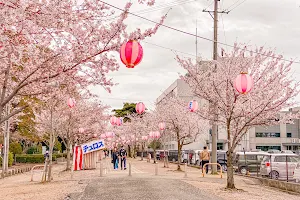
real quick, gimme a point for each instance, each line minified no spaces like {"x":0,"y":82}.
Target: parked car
{"x":248,"y":161}
{"x":296,"y":175}
{"x":278,"y":166}
{"x":222,"y":159}
{"x":287,"y":151}
{"x":273,"y":151}
{"x":173,"y":155}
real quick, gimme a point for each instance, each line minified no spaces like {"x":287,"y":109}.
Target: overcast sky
{"x":272,"y":23}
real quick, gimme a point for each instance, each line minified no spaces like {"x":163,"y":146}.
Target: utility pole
{"x":215,"y":56}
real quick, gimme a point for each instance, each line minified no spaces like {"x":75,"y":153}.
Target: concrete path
{"x":142,"y":185}
{"x":141,"y":188}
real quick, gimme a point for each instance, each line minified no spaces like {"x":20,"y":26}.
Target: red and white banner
{"x":77,"y":158}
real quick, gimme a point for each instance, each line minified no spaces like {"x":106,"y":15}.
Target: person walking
{"x":115,"y":158}
{"x":205,"y":157}
{"x":123,"y":155}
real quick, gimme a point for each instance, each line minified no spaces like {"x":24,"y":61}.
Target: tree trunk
{"x":134,"y":151}
{"x":142,"y":156}
{"x":68,"y":155}
{"x":179,"y":155}
{"x":129,"y":151}
{"x":154,"y":155}
{"x":230,"y":179}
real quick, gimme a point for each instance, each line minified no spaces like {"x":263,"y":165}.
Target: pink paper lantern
{"x":243,"y":83}
{"x":140,"y":108}
{"x":71,"y":102}
{"x":151,"y":134}
{"x":119,"y":121}
{"x":131,"y":53}
{"x":156,"y":134}
{"x":113,"y":120}
{"x":108,"y":134}
{"x":193,"y":105}
{"x":81,"y":130}
{"x":102,"y":136}
{"x":162,"y":126}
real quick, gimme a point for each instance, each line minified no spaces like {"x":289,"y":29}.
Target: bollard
{"x":129,"y":169}
{"x":156,"y":169}
{"x":101,"y":169}
{"x":185,"y":170}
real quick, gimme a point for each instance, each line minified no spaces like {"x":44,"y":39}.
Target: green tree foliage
{"x":128,"y":108}
{"x":15,"y":148}
{"x":155,"y":145}
{"x":26,"y":121}
{"x":57,"y":146}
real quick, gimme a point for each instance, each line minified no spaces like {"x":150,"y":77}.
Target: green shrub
{"x":59,"y":155}
{"x":10,"y":159}
{"x":32,"y":150}
{"x":32,"y":158}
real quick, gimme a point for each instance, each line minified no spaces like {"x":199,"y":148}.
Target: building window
{"x":266,"y":148}
{"x":220,"y":146}
{"x":267,"y":134}
{"x":288,"y":134}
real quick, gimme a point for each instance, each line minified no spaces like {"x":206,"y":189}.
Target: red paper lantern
{"x":162,"y":126}
{"x":131,"y":53}
{"x":71,"y":102}
{"x":193,"y":106}
{"x":243,"y":83}
{"x":113,"y":120}
{"x":140,"y":108}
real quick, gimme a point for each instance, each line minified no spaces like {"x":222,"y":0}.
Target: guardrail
{"x":203,"y":169}
{"x":33,"y":170}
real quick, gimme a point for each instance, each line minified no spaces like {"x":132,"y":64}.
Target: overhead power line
{"x":188,"y":33}
{"x":235,"y":6}
{"x":157,"y":8}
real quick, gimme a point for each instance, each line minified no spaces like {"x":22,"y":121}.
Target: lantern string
{"x":192,"y":34}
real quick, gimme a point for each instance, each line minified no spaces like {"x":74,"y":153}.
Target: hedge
{"x":35,"y":158}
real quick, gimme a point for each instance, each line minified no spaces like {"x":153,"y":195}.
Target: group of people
{"x":119,"y":156}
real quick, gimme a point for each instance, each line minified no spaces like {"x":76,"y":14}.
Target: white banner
{"x":95,"y":145}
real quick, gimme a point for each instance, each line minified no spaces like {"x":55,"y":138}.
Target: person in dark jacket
{"x":115,"y":158}
{"x":123,"y":155}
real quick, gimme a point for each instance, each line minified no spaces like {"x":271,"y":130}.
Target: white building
{"x":182,"y":90}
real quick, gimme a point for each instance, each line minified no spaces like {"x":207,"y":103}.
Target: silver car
{"x":278,"y":166}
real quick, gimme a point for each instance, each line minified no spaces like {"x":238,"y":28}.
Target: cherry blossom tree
{"x":59,"y":40}
{"x":186,"y":126}
{"x":273,"y":91}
